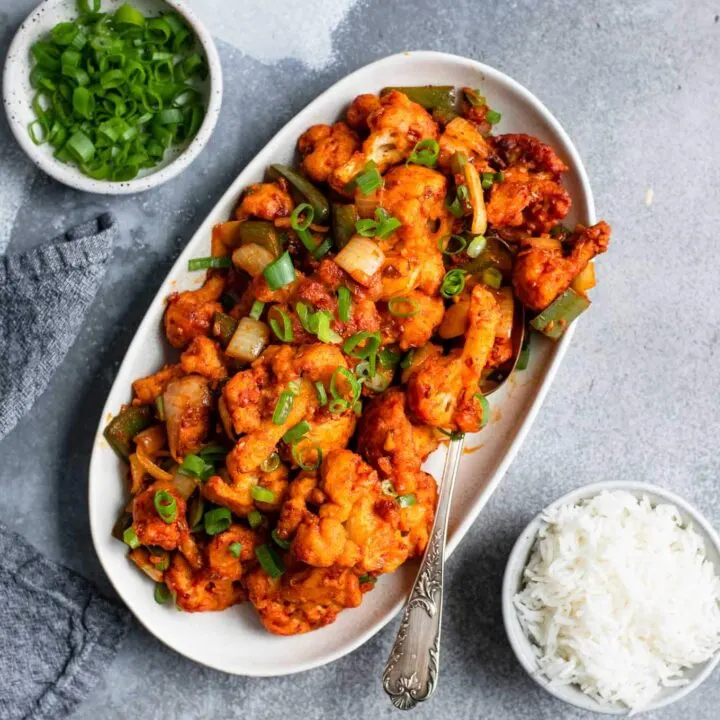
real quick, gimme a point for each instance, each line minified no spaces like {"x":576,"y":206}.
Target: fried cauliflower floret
{"x":243,"y":395}
{"x":415,"y":195}
{"x":302,"y":600}
{"x":190,"y":313}
{"x":188,"y":408}
{"x":252,"y":449}
{"x":330,"y":431}
{"x":317,"y":362}
{"x":204,"y":357}
{"x":266,"y":201}
{"x":360,"y":110}
{"x":325,"y":148}
{"x":302,"y":491}
{"x":149,"y":527}
{"x":225,"y":564}
{"x":542,"y":272}
{"x":323,"y":542}
{"x":148,"y":389}
{"x":462,"y":136}
{"x":396,"y":126}
{"x":529,"y":152}
{"x":234,"y":491}
{"x":443,"y":391}
{"x":390,"y":443}
{"x":416,"y":520}
{"x":525,"y":201}
{"x":530,"y":196}
{"x":416,"y":329}
{"x":199,"y":591}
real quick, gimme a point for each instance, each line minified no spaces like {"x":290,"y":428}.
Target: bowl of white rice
{"x":611,"y":598}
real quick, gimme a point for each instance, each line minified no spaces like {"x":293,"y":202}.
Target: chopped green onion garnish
{"x":217,"y":520}
{"x":493,"y":277}
{"x":362,"y":344}
{"x":130,"y":538}
{"x":338,"y":406}
{"x":321,"y":393}
{"x":406,"y":500}
{"x":309,"y":215}
{"x":286,"y":332}
{"x":344,"y":303}
{"x":166,"y":506}
{"x":369,"y":179}
{"x":270,"y":463}
{"x":262,"y":494}
{"x":204,"y":263}
{"x":196,"y":466}
{"x":444,"y":244}
{"x":160,"y":405}
{"x":407,"y":360}
{"x":403,"y":307}
{"x":499,"y":176}
{"x":383,"y":226}
{"x":485,"y":406}
{"x":486,"y":180}
{"x":351,"y":380}
{"x":296,"y":431}
{"x":453,"y":283}
{"x":324,"y":332}
{"x":365,"y":579}
{"x":388,"y":358}
{"x":284,"y":544}
{"x":457,"y":162}
{"x":270,"y":561}
{"x":425,"y":153}
{"x":255,"y":519}
{"x":118,"y":90}
{"x":493,"y":117}
{"x":476,"y":246}
{"x":387,"y":488}
{"x":161,"y":594}
{"x":280,"y":272}
{"x":257,"y":310}
{"x":235,"y":549}
{"x":283,"y":406}
{"x":300,"y":449}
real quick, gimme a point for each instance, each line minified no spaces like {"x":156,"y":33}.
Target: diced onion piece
{"x":151,"y":468}
{"x":585,"y":280}
{"x":249,"y":340}
{"x":137,"y":473}
{"x":477,"y":200}
{"x":367,"y":204}
{"x":151,"y":439}
{"x":454,"y":322}
{"x":225,"y":419}
{"x":252,"y":258}
{"x":141,"y":557}
{"x":506,"y":306}
{"x":418,"y":358}
{"x":545,"y":243}
{"x":361,"y":258}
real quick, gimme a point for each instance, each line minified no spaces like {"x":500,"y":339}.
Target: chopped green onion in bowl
{"x":113,"y":99}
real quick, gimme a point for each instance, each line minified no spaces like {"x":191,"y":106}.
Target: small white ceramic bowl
{"x":513,"y":580}
{"x":18,"y":95}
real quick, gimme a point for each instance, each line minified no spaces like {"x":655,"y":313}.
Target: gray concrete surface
{"x":636,"y":86}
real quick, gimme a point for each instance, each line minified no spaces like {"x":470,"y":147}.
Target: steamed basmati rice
{"x":619,"y":598}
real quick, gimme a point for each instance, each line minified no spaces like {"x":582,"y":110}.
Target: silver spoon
{"x":411,"y":671}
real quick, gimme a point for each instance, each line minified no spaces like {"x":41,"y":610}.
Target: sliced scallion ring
{"x":262,"y":494}
{"x":280,"y":272}
{"x":255,"y":519}
{"x":269,"y":561}
{"x":270,"y":463}
{"x":403,"y":307}
{"x":161,"y":594}
{"x":406,"y":500}
{"x":284,"y":544}
{"x":283,"y":407}
{"x":235,"y":549}
{"x":284,"y":333}
{"x":296,"y":431}
{"x":300,"y":450}
{"x":217,"y":520}
{"x":445,"y":244}
{"x":425,"y":153}
{"x":166,"y":506}
{"x":344,"y":304}
{"x":204,"y":263}
{"x":493,"y":277}
{"x":453,"y":283}
{"x":321,"y":393}
{"x":476,"y":246}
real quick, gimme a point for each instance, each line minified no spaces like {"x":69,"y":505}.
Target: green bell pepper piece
{"x":344,"y":218}
{"x":303,"y":186}
{"x":431,"y":97}
{"x":555,"y":319}
{"x":125,"y":426}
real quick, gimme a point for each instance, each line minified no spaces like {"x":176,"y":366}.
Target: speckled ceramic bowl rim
{"x":522,"y":646}
{"x":69,"y":175}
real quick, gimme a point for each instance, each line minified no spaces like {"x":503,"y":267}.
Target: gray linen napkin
{"x":44,"y":295}
{"x":57,"y":634}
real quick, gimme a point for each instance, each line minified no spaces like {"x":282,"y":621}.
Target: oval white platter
{"x":234,"y":640}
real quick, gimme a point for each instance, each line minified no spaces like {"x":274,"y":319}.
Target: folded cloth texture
{"x":44,"y":296}
{"x":58,"y":635}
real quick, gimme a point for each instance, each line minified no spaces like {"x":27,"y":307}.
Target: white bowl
{"x":18,"y":94}
{"x":513,"y":580}
{"x":233,"y":640}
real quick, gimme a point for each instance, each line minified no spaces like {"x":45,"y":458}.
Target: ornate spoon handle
{"x":412,"y":668}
